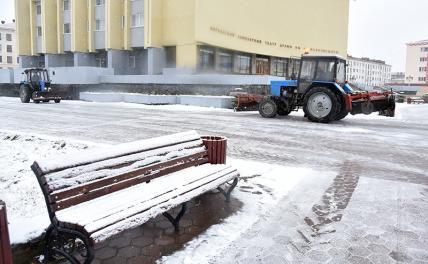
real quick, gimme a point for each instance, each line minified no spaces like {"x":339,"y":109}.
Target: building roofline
{"x":365,"y":59}
{"x":418,"y":43}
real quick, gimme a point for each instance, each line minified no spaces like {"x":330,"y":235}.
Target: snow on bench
{"x":101,"y":193}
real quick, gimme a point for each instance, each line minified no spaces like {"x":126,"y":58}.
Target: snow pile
{"x":19,"y":188}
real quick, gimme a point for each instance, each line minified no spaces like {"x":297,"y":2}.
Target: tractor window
{"x":325,"y":71}
{"x":308,"y":70}
{"x":341,"y":72}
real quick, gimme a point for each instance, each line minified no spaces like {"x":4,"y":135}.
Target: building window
{"x":0,"y":36}
{"x":9,"y":48}
{"x":262,"y":66}
{"x":9,"y":59}
{"x":137,"y":20}
{"x":17,"y":60}
{"x":39,"y":31}
{"x":66,"y":5}
{"x":206,"y":59}
{"x":67,"y":28}
{"x":422,"y":79}
{"x":423,"y":59}
{"x":9,"y":37}
{"x":38,"y":8}
{"x":422,"y":69}
{"x":1,"y":58}
{"x":242,"y":64}
{"x":278,"y":67}
{"x":99,"y":25}
{"x":225,"y":61}
{"x":100,"y":2}
{"x":0,"y":48}
{"x":131,"y":62}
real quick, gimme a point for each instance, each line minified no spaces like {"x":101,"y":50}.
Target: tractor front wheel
{"x":268,"y":108}
{"x":24,"y":94}
{"x":321,"y":105}
{"x":57,"y":101}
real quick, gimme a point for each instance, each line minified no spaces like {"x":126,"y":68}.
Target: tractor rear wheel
{"x":24,"y":94}
{"x":321,"y":105}
{"x":268,"y":108}
{"x":57,"y":101}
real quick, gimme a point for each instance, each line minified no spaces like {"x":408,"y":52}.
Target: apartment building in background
{"x":149,"y":36}
{"x":8,"y":50}
{"x":398,"y":77}
{"x":365,"y":72}
{"x":417,"y":62}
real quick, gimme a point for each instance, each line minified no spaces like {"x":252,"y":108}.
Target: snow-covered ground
{"x":354,"y":191}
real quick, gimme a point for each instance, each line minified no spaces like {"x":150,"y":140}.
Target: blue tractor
{"x":323,"y":93}
{"x":37,"y":87}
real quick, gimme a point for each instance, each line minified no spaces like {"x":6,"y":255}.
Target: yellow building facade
{"x":229,"y":36}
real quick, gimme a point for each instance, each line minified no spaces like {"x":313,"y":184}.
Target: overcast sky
{"x":378,"y":29}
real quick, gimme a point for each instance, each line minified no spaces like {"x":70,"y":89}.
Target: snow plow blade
{"x":370,"y":102}
{"x":246,"y":102}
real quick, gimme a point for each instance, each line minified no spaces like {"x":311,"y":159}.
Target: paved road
{"x":373,"y":210}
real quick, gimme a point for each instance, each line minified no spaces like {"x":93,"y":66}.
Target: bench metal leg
{"x":227,"y":193}
{"x":67,"y":244}
{"x":176,"y":221}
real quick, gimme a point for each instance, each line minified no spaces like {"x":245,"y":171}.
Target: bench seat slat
{"x":161,"y":206}
{"x":87,"y":187}
{"x":131,"y":200}
{"x":123,"y":185}
{"x":137,"y":195}
{"x":73,"y":176}
{"x":70,"y":161}
{"x":164,"y":197}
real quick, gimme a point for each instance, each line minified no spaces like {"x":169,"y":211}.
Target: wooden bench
{"x":94,"y":195}
{"x":5,"y":248}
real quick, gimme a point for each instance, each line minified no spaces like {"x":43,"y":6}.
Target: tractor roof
{"x":34,"y":69}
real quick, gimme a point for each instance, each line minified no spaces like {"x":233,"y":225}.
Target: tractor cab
{"x":38,"y":79}
{"x":37,"y":86}
{"x":321,"y":69}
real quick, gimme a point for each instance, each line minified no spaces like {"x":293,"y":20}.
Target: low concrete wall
{"x":204,"y":101}
{"x":79,"y":75}
{"x":102,"y":97}
{"x":63,"y":75}
{"x":150,"y":99}
{"x":201,"y":79}
{"x":5,"y":76}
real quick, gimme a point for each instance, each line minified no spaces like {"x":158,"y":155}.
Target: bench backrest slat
{"x":83,"y":179}
{"x":103,"y":169}
{"x":92,"y":156}
{"x":88,"y":187}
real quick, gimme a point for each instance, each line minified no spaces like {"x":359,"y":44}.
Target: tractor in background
{"x":322,"y":91}
{"x":37,"y":87}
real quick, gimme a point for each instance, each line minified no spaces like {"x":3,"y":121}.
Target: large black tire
{"x":57,"y":101}
{"x":321,"y":105}
{"x":24,"y":93}
{"x":268,"y":108}
{"x":343,"y":111}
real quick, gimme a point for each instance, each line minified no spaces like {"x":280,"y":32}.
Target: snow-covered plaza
{"x":354,"y":191}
